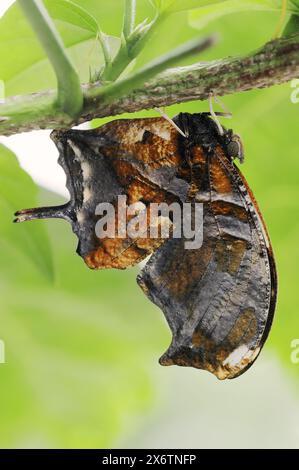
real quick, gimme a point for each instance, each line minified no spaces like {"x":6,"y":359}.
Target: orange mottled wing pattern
{"x":136,"y":151}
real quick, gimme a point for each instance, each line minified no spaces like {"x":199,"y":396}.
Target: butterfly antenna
{"x":165,"y":116}
{"x":226,"y":112}
{"x":214,"y":116}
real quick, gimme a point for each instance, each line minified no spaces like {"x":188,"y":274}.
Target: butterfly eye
{"x":235,"y":148}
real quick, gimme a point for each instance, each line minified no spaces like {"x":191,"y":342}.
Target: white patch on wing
{"x":86,"y":173}
{"x":86,"y":170}
{"x":161,"y":130}
{"x":75,"y":149}
{"x":80,"y":217}
{"x":87,"y":194}
{"x":236,"y":356}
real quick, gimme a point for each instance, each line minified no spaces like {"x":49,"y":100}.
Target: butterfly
{"x":218,"y":298}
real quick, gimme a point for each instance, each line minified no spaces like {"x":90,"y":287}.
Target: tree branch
{"x":274,"y":63}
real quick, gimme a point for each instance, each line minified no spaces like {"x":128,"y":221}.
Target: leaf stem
{"x":282,"y":17}
{"x":105,"y":47}
{"x":127,"y":51}
{"x":69,"y":93}
{"x":129,"y":17}
{"x":125,"y":86}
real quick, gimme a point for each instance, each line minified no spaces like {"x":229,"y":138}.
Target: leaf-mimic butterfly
{"x":218,"y":299}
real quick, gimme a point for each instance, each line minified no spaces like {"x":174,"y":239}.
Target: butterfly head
{"x":234,"y":145}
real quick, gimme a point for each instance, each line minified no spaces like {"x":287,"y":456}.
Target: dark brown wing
{"x":219,"y":299}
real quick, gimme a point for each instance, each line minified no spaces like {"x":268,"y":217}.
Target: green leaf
{"x":172,"y":6}
{"x":292,"y":26}
{"x":202,"y":16}
{"x":70,"y":12}
{"x":156,"y":4}
{"x":17,"y":191}
{"x":27,"y":68}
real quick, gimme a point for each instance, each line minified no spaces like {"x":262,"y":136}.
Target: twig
{"x":131,"y":46}
{"x":274,"y":63}
{"x":122,"y":87}
{"x":69,"y":93}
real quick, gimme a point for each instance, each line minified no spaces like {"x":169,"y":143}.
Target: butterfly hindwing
{"x":218,"y":299}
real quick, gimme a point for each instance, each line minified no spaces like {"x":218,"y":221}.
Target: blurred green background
{"x":82,"y":347}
